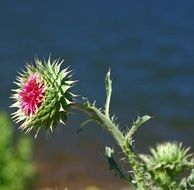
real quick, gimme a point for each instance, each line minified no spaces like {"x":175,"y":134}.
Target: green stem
{"x":127,"y":149}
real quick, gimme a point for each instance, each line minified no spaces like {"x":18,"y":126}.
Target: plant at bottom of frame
{"x":167,"y":166}
{"x":16,"y":168}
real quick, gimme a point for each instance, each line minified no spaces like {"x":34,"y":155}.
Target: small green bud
{"x":166,"y":162}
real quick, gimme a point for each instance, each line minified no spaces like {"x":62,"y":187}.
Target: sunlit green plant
{"x":166,"y":164}
{"x":44,"y":98}
{"x":16,"y":168}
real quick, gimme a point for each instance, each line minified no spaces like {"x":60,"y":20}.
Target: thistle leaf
{"x":114,"y":166}
{"x":108,"y":85}
{"x":83,"y":125}
{"x":136,"y":125}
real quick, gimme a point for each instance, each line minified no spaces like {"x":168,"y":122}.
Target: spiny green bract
{"x":168,"y":155}
{"x":166,"y":162}
{"x":57,"y":98}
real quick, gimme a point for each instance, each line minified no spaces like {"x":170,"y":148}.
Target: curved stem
{"x":106,"y":123}
{"x":113,"y":129}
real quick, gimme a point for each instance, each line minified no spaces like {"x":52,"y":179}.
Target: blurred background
{"x":149,"y":47}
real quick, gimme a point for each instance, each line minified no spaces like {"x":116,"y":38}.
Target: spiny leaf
{"x":113,"y":165}
{"x":108,"y":85}
{"x":136,"y":125}
{"x":83,"y":125}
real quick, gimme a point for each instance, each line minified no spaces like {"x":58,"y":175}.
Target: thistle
{"x":43,"y":98}
{"x":166,"y":162}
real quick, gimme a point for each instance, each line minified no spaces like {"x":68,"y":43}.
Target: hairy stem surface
{"x":113,"y":129}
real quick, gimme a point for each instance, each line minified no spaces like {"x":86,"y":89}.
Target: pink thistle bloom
{"x":43,"y":97}
{"x":32,"y":95}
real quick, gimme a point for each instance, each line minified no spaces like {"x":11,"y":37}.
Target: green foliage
{"x":187,"y":182}
{"x":138,"y":123}
{"x":125,"y":141}
{"x":16,"y":168}
{"x":163,"y":169}
{"x":165,"y":164}
{"x":114,"y":166}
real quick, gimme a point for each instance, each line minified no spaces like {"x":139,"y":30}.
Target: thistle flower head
{"x":168,"y":159}
{"x":169,"y":155}
{"x":43,"y":97}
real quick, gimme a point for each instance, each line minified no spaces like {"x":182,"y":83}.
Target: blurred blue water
{"x":148,"y":45}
